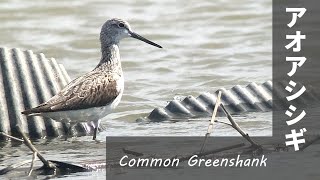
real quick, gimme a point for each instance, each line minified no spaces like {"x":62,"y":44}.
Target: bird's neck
{"x":110,"y":58}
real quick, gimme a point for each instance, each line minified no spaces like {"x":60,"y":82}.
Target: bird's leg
{"x":96,"y":126}
{"x":69,"y":130}
{"x":95,"y":133}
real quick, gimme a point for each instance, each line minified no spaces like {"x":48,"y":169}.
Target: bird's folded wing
{"x":90,"y":90}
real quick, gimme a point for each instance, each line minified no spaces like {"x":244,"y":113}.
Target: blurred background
{"x":207,"y":45}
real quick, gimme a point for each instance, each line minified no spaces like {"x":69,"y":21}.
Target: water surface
{"x":207,"y":45}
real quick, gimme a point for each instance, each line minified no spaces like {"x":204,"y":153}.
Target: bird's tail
{"x":27,"y":112}
{"x":32,"y":111}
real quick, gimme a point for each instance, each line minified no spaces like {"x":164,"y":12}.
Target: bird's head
{"x":114,"y":30}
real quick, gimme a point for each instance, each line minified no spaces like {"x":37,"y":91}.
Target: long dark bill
{"x":137,"y":36}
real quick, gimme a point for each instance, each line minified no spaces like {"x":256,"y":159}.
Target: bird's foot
{"x":95,"y":135}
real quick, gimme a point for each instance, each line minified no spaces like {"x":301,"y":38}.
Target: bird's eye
{"x":121,"y":25}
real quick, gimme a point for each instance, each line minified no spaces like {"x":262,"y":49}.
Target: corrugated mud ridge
{"x":251,"y":98}
{"x":26,"y":80}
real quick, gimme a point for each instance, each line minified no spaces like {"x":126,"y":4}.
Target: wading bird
{"x":93,"y":96}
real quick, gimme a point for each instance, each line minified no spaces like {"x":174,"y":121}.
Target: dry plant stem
{"x":237,"y":127}
{"x":11,"y":137}
{"x":13,"y":166}
{"x":137,"y":154}
{"x":210,"y":127}
{"x":223,"y":123}
{"x":210,"y":152}
{"x":213,"y":151}
{"x":309,"y":143}
{"x":127,"y":151}
{"x":32,"y":163}
{"x":27,"y":142}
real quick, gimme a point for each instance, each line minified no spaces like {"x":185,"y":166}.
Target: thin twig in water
{"x":27,"y":142}
{"x":184,"y":158}
{"x":210,"y":127}
{"x":308,"y":143}
{"x":205,"y":153}
{"x":32,"y":163}
{"x":237,"y":127}
{"x":11,"y":137}
{"x":13,"y":166}
{"x":223,"y":123}
{"x":127,"y":151}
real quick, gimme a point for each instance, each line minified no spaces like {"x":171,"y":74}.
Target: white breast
{"x":120,"y":87}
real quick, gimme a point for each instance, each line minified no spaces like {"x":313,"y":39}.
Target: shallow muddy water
{"x":207,"y":45}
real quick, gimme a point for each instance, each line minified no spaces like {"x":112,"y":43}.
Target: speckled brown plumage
{"x":97,"y":88}
{"x":91,"y":90}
